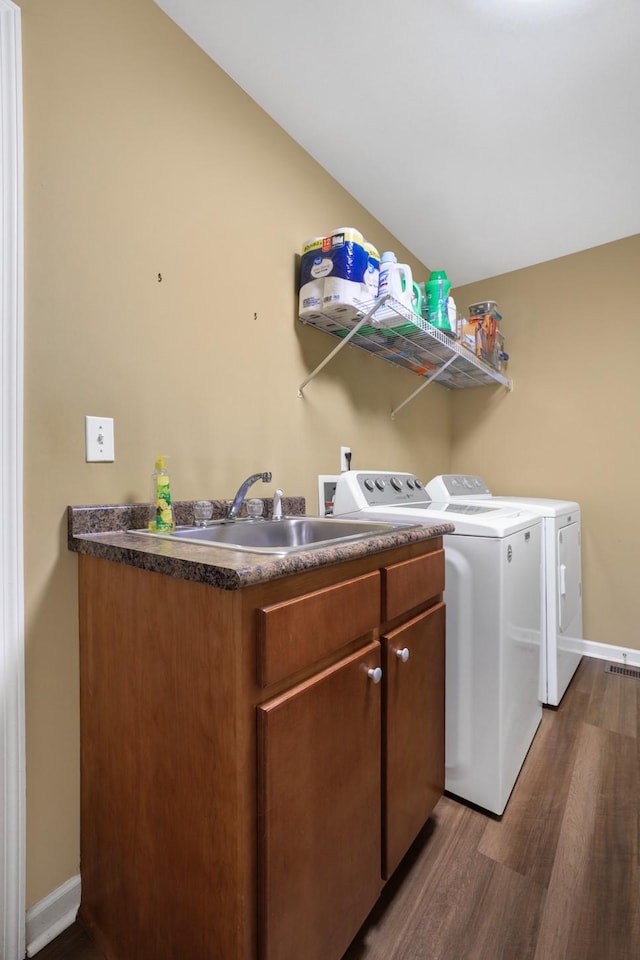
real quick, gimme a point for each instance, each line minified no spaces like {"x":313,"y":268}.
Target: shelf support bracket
{"x":366,"y":318}
{"x":425,"y":383}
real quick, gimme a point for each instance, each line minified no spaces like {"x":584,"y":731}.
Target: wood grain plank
{"x":592,"y":909}
{"x":526,"y":837}
{"x":614,"y":704}
{"x":73,"y":944}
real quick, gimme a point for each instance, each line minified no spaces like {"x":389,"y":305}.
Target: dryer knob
{"x":396,"y":484}
{"x":369,"y":484}
{"x":380,"y":484}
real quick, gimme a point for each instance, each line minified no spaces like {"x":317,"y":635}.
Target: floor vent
{"x":633,"y":672}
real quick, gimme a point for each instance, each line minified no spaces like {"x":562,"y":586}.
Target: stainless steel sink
{"x":284,"y":536}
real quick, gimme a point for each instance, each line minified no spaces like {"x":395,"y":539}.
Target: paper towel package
{"x":312,"y":273}
{"x":334,"y":272}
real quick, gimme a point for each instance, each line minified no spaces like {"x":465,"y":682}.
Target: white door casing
{"x":12,"y":742}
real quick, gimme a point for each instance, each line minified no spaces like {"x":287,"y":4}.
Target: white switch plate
{"x":98,"y":439}
{"x":344,"y":463}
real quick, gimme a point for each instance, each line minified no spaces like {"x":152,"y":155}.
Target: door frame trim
{"x":12,"y":723}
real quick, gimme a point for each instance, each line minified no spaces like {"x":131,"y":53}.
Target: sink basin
{"x":278,"y":536}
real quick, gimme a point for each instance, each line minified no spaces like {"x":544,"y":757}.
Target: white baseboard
{"x":605,"y":651}
{"x":50,"y":916}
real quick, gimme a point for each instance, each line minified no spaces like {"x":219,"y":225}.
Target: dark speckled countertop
{"x":105,"y":531}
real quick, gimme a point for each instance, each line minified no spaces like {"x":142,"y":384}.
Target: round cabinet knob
{"x":403,"y":654}
{"x":375,"y":673}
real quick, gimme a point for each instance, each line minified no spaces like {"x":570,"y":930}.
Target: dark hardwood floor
{"x":556,"y":878}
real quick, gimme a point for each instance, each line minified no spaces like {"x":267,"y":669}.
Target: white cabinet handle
{"x":403,"y":654}
{"x":375,"y":673}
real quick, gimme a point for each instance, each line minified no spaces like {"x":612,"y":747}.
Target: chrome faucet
{"x":238,"y":500}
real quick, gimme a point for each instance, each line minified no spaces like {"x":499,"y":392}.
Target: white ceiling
{"x":487,"y":135}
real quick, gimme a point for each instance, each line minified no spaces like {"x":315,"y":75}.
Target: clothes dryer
{"x":492,"y":596}
{"x":561,"y":620}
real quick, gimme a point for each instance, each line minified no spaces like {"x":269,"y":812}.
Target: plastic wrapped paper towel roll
{"x":312,"y":274}
{"x":333,"y":273}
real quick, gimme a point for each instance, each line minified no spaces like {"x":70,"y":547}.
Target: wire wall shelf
{"x":389,"y":330}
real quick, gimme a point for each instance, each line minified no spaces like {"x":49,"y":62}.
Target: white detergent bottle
{"x":395,"y":279}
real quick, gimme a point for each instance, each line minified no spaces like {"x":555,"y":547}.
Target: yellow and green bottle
{"x":162,"y":507}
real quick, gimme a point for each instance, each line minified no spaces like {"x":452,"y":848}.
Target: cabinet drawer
{"x":301,"y":631}
{"x":405,"y":585}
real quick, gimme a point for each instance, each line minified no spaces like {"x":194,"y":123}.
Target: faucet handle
{"x":254,"y":507}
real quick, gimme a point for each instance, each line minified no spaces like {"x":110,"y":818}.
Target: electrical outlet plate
{"x":344,"y":463}
{"x":98,"y":440}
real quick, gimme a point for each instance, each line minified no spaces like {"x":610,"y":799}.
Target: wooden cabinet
{"x":246,"y":783}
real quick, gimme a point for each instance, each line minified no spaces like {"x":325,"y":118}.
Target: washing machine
{"x":561,"y":618}
{"x":492,"y":596}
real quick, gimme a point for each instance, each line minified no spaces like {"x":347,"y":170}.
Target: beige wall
{"x":143,"y":158}
{"x":570,"y":427}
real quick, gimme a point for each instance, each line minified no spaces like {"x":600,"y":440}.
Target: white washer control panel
{"x":385,"y":489}
{"x":359,"y":489}
{"x":450,"y":485}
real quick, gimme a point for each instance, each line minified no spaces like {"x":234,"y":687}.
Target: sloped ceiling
{"x":487,"y":135}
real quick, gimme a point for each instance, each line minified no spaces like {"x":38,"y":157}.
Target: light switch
{"x":98,"y":437}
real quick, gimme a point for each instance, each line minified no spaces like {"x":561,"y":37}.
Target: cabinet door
{"x":413,"y":730}
{"x":319,"y":811}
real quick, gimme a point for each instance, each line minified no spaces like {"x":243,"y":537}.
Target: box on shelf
{"x":486,"y":308}
{"x":481,"y":335}
{"x":490,"y":342}
{"x":467,"y":332}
